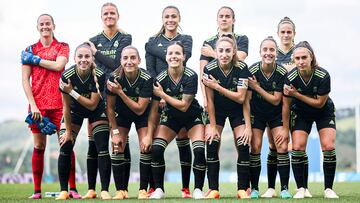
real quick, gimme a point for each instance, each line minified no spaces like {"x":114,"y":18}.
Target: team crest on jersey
{"x":315,"y":89}
{"x":274,"y":85}
{"x":234,"y":81}
{"x":137,"y":91}
{"x":116,"y":44}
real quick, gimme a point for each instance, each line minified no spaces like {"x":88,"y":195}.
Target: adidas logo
{"x":103,"y":115}
{"x":99,"y":45}
{"x":197,"y":119}
{"x":332,"y":122}
{"x":75,"y":88}
{"x":299,"y":89}
{"x":168,"y":90}
{"x":160,"y":45}
{"x":124,"y":89}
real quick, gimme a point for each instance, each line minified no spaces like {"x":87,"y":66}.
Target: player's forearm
{"x":57,"y":65}
{"x":273,"y":99}
{"x":246,"y":111}
{"x":181,"y":105}
{"x":238,"y":97}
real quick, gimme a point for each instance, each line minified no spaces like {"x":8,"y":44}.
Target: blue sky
{"x":330,"y":26}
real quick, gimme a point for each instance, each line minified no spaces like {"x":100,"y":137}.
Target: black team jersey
{"x":284,"y":58}
{"x":242,"y":42}
{"x":108,"y":56}
{"x":259,"y":106}
{"x":141,"y":87}
{"x":84,"y":88}
{"x":319,"y":84}
{"x":187,"y":85}
{"x":237,"y":77}
{"x":156,"y":52}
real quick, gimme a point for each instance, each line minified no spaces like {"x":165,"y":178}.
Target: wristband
{"x":74,"y":94}
{"x":115,"y":131}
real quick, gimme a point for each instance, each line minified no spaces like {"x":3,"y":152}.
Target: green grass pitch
{"x":348,"y":192}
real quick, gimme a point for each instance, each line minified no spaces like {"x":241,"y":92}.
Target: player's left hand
{"x":245,"y":138}
{"x":158,"y":90}
{"x":28,"y":58}
{"x":281,"y":137}
{"x":145,"y":144}
{"x":253,"y":83}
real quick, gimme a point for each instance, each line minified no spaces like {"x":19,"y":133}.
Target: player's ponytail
{"x":93,"y":71}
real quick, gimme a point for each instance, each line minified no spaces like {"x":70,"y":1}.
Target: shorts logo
{"x":197,"y":120}
{"x":332,"y":122}
{"x":116,"y":44}
{"x":103,"y":115}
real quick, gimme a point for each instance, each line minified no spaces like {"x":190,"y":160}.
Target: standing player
{"x":43,"y":62}
{"x":107,"y":47}
{"x":226,"y":83}
{"x":81,"y":87}
{"x":267,"y":83}
{"x":306,"y":91}
{"x":129,"y":91}
{"x":286,"y":33}
{"x":226,"y":23}
{"x":177,"y":86}
{"x":156,"y":63}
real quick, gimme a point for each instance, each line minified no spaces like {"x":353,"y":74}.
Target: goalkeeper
{"x":42,"y":64}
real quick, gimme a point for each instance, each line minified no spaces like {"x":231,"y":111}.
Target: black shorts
{"x":305,"y":124}
{"x":125,"y":122}
{"x":235,"y":121}
{"x":176,"y":124}
{"x":98,"y":115}
{"x":259,"y":123}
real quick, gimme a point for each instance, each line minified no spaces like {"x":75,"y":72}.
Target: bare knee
{"x":39,"y":145}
